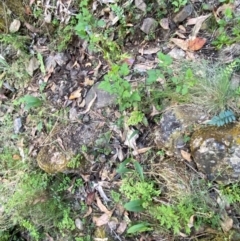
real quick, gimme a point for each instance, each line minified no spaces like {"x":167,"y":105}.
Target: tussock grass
{"x":213,"y":90}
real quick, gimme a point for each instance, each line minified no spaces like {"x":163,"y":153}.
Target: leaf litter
{"x":80,"y":71}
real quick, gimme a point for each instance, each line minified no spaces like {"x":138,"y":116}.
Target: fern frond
{"x":225,"y":117}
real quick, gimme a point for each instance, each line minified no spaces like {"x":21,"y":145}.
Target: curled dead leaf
{"x":196,"y":43}
{"x":102,"y":220}
{"x":88,"y":212}
{"x":122,"y":227}
{"x":226,"y":223}
{"x":102,"y":207}
{"x":75,"y":94}
{"x":180,"y":43}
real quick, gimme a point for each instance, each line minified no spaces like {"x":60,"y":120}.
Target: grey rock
{"x":172,"y":127}
{"x":183,"y":14}
{"x":140,"y":4}
{"x":149,"y":25}
{"x":177,"y":53}
{"x":216,"y":151}
{"x":104,"y":98}
{"x":17,"y":125}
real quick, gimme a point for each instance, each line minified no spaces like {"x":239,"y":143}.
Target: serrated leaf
{"x":134,"y":206}
{"x":105,"y":85}
{"x":135,"y":96}
{"x":124,"y":70}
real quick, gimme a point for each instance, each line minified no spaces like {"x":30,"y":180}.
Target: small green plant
{"x":139,"y":191}
{"x":178,"y":4}
{"x":215,"y":83}
{"x":66,"y":222}
{"x":29,"y":101}
{"x":115,"y":196}
{"x":115,"y":84}
{"x":135,"y":118}
{"x":75,"y":162}
{"x":31,"y":229}
{"x":231,"y":193}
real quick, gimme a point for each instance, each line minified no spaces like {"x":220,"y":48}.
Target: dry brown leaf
{"x":186,"y":155}
{"x":3,"y":97}
{"x":142,"y":67}
{"x":90,"y":198}
{"x":102,"y":207}
{"x":88,"y":82}
{"x":97,"y":68}
{"x":196,"y":44}
{"x":227,"y":223}
{"x":27,"y":10}
{"x":180,"y":35}
{"x":32,"y":66}
{"x":198,"y":25}
{"x":164,"y":23}
{"x":191,"y":221}
{"x":122,"y":227}
{"x":102,"y":220}
{"x":88,"y":212}
{"x":182,"y":28}
{"x":31,"y":2}
{"x":149,"y":50}
{"x":141,"y":151}
{"x":75,"y":94}
{"x":180,"y":43}
{"x":89,"y":105}
{"x":190,"y":55}
{"x":31,"y":28}
{"x":16,"y":157}
{"x":193,"y":21}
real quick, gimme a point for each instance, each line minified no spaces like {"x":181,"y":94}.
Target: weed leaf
{"x":134,"y":206}
{"x":29,"y":101}
{"x":122,"y":169}
{"x":139,"y":169}
{"x":141,"y":227}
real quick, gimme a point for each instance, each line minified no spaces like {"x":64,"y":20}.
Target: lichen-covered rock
{"x":173,"y":125}
{"x":63,"y":144}
{"x":216,"y":151}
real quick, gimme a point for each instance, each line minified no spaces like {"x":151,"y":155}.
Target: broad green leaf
{"x":134,"y":206}
{"x":42,"y":67}
{"x":141,"y":227}
{"x":30,"y":101}
{"x":139,"y":169}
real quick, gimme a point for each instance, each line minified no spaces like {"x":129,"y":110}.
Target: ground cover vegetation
{"x":125,"y":196}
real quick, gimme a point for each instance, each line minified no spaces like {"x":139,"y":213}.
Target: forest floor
{"x":83,"y":87}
